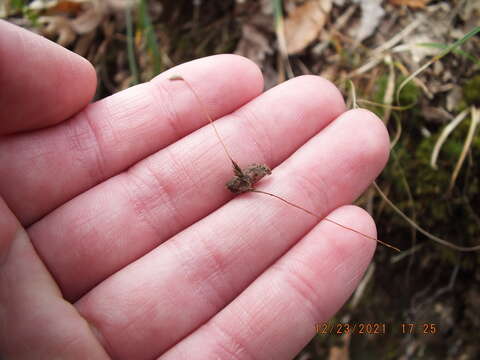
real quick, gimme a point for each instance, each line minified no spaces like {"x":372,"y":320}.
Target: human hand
{"x":123,"y":201}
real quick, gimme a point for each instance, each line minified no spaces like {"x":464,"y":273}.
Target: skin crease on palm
{"x":118,"y":238}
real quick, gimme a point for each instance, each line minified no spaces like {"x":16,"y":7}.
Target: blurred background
{"x":415,"y":63}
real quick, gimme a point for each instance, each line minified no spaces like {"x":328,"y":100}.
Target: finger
{"x":195,"y":274}
{"x":42,"y":82}
{"x":114,"y":133}
{"x":177,"y":186}
{"x":305,"y":287}
{"x":36,"y":322}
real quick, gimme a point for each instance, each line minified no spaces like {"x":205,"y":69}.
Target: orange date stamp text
{"x":328,"y":328}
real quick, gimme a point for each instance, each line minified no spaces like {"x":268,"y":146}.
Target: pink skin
{"x":125,"y":207}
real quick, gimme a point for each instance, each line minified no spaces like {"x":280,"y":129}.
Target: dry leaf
{"x":88,"y":14}
{"x":66,"y":7}
{"x":372,"y":13}
{"x":253,"y":44}
{"x":58,"y":26}
{"x":415,"y":4}
{"x":256,"y":41}
{"x":91,"y":17}
{"x":304,"y":24}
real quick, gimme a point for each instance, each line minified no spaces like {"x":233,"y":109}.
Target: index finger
{"x":114,"y":133}
{"x":42,"y":82}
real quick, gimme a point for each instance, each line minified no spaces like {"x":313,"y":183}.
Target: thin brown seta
{"x":326,"y":218}
{"x":204,"y":110}
{"x":245,"y":179}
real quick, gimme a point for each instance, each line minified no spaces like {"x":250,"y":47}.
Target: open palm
{"x":117,"y":235}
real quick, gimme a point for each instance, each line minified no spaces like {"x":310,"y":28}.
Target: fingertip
{"x":249,"y":69}
{"x":373,"y":133}
{"x":223,"y":82}
{"x":310,"y":97}
{"x":365,"y":140}
{"x":359,"y":222}
{"x":345,"y":253}
{"x":220,"y":69}
{"x":42,"y":82}
{"x":88,"y":75}
{"x":324,"y":88}
{"x":81,"y":78}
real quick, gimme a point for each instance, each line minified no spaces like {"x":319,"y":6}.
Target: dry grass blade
{"x":390,"y":90}
{"x":340,"y":22}
{"x":353,"y":95}
{"x":399,"y":37}
{"x":398,"y":132}
{"x":362,"y":286}
{"x":406,"y":253}
{"x":466,"y":146}
{"x":377,"y":53}
{"x":420,"y":229}
{"x":366,"y":67}
{"x":446,"y":51}
{"x":383,"y":106}
{"x":282,"y":43}
{"x":444,"y":135}
{"x":418,"y":82}
{"x":406,"y":185}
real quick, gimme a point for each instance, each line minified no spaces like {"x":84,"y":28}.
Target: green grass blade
{"x":460,"y":52}
{"x":153,"y":49}
{"x":132,"y":63}
{"x":444,"y":52}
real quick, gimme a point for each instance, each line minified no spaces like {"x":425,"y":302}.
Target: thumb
{"x":35,"y":321}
